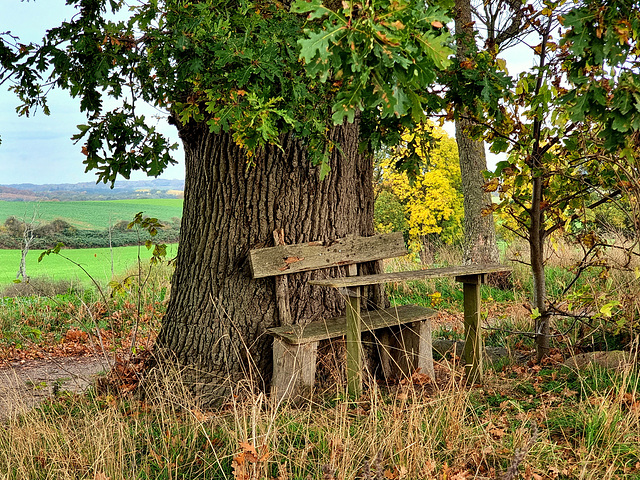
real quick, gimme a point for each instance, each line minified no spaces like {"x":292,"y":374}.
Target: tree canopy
{"x":257,"y":69}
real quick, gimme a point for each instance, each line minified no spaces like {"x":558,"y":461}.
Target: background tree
{"x":277,"y":111}
{"x":502,"y":22}
{"x":428,"y":208}
{"x":27,"y":230}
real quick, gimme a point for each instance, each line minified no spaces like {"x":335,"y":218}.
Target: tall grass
{"x":588,"y":424}
{"x":403,"y":432}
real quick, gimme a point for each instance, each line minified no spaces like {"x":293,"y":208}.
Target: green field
{"x":92,"y":215}
{"x":97,"y":261}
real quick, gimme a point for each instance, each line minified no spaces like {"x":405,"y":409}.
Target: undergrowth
{"x":83,"y":321}
{"x":443,"y":431}
{"x":563,"y":424}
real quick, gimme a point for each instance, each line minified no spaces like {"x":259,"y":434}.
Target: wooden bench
{"x":407,"y":345}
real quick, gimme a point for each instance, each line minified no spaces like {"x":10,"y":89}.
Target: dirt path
{"x":26,"y":383}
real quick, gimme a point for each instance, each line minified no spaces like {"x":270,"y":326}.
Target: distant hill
{"x":123,"y":189}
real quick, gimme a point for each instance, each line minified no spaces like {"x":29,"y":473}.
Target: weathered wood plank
{"x":353,"y":338}
{"x":354,"y":345}
{"x":282,"y":287}
{"x":285,"y":259}
{"x":406,"y":349}
{"x":336,"y":327}
{"x":410,"y":275}
{"x":294,"y":370}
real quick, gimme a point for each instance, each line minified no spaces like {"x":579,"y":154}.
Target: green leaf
{"x":620,"y":123}
{"x":318,"y":43}
{"x":607,"y":308}
{"x":325,"y":168}
{"x":315,"y":7}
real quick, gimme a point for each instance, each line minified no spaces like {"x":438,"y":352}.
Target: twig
{"x":518,"y":457}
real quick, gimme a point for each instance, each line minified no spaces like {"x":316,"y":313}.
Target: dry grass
{"x":588,"y":426}
{"x":448,"y":432}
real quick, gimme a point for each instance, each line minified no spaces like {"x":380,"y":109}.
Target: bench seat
{"x":402,"y":335}
{"x":395,"y":277}
{"x":337,"y":327}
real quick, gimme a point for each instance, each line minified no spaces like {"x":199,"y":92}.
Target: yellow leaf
{"x":492,"y":185}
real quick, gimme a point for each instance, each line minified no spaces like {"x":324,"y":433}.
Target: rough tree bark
{"x":217,"y":316}
{"x":479,"y":230}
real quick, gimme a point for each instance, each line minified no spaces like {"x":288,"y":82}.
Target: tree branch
{"x":575,"y":216}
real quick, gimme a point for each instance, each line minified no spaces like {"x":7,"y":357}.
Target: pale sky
{"x":39,"y":149}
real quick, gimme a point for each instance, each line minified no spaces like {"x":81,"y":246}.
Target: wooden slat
{"x":282,"y":260}
{"x":410,"y":275}
{"x":472,"y":352}
{"x":353,"y":338}
{"x":282,"y":287}
{"x":336,"y":327}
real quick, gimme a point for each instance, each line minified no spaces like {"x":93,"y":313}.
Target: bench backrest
{"x":286,"y":259}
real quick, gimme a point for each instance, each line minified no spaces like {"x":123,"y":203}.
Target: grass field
{"x":97,"y":261}
{"x":94,"y":215}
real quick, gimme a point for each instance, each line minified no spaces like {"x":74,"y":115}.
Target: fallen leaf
{"x":248,"y":448}
{"x":467,"y":64}
{"x":199,"y":415}
{"x":289,"y":260}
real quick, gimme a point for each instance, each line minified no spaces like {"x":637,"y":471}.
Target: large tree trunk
{"x":479,"y":230}
{"x":217,"y":316}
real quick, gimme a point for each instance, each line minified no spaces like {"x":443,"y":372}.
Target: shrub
{"x":39,"y":287}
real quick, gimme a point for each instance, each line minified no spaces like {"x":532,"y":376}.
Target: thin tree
{"x":28,"y":237}
{"x":569,"y":125}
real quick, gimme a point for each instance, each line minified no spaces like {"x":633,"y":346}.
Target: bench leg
{"x":385,"y":352}
{"x":406,"y":350}
{"x":473,"y":339}
{"x":354,"y":344}
{"x":294,"y":370}
{"x":425,"y":348}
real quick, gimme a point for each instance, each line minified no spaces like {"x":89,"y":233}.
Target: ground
{"x":25,"y":383}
